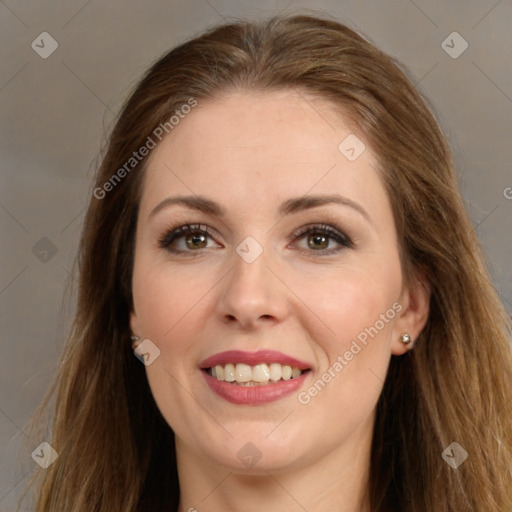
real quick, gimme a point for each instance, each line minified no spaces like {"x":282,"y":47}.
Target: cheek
{"x":163,"y":299}
{"x":361,"y":313}
{"x":353,"y":299}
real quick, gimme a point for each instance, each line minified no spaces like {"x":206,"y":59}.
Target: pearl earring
{"x":134,"y":339}
{"x":405,"y":338}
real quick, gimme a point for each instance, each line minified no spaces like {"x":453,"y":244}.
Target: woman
{"x":276,"y":233}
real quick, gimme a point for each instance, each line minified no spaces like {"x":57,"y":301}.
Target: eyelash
{"x":323,"y":229}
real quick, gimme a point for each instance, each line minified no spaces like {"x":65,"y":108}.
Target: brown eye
{"x":187,"y":238}
{"x":196,"y":241}
{"x":318,"y":237}
{"x":318,"y":241}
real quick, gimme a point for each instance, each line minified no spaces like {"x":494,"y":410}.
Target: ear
{"x":412,"y":318}
{"x":134,"y":323}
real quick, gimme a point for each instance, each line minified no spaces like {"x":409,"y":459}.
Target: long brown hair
{"x":116,"y":452}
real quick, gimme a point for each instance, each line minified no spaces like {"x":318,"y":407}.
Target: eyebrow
{"x":293,"y":205}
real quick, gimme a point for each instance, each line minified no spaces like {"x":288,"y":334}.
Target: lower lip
{"x":253,"y":395}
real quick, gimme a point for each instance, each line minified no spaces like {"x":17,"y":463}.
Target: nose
{"x":252,"y":295}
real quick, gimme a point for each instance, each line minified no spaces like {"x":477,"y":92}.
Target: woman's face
{"x":258,"y":170}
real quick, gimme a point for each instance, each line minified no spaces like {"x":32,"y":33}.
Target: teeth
{"x":259,"y":375}
{"x":243,"y":373}
{"x":275,"y":371}
{"x":219,"y":372}
{"x":286,"y":372}
{"x":229,"y":373}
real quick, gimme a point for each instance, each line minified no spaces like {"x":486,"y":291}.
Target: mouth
{"x":254,"y":378}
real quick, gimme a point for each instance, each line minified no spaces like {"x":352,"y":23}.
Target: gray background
{"x":55,"y":113}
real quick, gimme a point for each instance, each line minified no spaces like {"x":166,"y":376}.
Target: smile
{"x":253,"y":378}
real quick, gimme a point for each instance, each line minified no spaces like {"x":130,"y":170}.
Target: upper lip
{"x":253,"y":358}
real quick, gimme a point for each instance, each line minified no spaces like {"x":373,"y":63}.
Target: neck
{"x":336,"y":481}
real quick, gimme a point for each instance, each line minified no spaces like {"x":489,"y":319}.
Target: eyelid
{"x":331,"y":232}
{"x":325,"y":228}
{"x":174,"y":232}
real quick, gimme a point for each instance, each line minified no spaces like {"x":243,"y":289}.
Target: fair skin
{"x":249,"y":152}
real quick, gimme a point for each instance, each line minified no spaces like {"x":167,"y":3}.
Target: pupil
{"x":191,"y":239}
{"x":315,"y":239}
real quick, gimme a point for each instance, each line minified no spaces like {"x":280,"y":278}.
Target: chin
{"x":253,"y":451}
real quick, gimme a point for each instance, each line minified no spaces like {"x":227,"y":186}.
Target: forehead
{"x":247,"y":148}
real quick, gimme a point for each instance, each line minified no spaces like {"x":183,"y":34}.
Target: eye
{"x":318,"y":237}
{"x":194,"y":236}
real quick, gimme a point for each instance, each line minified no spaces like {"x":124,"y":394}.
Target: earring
{"x":405,"y":338}
{"x":134,"y":339}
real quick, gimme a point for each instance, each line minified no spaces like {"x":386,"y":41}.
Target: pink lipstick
{"x":253,"y":378}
